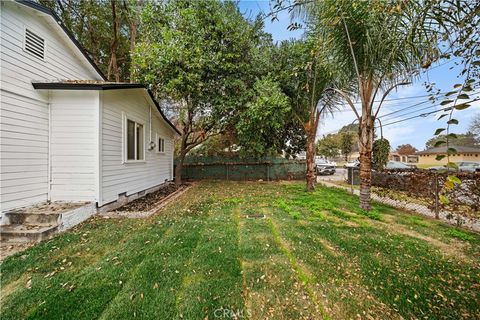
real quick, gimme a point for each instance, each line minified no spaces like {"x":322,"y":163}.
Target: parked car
{"x":324,"y":167}
{"x":352,"y":164}
{"x":467,"y":166}
{"x":397,"y":165}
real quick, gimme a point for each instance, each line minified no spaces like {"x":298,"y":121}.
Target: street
{"x":340,"y":175}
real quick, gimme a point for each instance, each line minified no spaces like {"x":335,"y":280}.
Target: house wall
{"x":24,"y":112}
{"x":74,"y":145}
{"x":118,"y":177}
{"x":429,"y":159}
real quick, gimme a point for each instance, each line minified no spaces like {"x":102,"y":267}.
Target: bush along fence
{"x":243,"y":169}
{"x":426,"y":186}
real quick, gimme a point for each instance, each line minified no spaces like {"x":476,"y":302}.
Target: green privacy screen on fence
{"x":222,"y":168}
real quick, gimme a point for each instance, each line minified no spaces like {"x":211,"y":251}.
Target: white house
{"x":66,"y":133}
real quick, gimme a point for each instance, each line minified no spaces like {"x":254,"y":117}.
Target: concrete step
{"x":26,"y":233}
{"x":19,"y":217}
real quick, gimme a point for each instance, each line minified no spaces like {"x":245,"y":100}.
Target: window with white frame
{"x":134,"y":140}
{"x":160,"y":144}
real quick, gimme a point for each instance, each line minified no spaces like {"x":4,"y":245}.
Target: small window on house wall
{"x":34,"y":44}
{"x":160,"y":144}
{"x":134,"y":141}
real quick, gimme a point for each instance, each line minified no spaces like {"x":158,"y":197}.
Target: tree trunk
{"x":181,"y":157}
{"x":366,"y":144}
{"x":179,"y":169}
{"x":311,"y":173}
{"x":113,"y":65}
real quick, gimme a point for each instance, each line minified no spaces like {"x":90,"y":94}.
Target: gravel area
{"x":149,"y":201}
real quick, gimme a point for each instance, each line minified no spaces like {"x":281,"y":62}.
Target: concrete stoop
{"x":26,"y":233}
{"x":41,"y":221}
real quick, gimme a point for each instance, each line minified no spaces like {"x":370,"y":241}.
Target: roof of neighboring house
{"x":99,"y":85}
{"x":41,"y":8}
{"x":443,"y":150}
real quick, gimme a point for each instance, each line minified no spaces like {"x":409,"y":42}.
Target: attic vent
{"x":34,"y":44}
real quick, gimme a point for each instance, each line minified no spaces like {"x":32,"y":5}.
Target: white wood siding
{"x":23,"y":151}
{"x":23,"y":110}
{"x":19,"y":68}
{"x":74,"y":145}
{"x":118,"y":177}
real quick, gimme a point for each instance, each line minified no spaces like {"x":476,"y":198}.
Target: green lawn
{"x":314,"y":255}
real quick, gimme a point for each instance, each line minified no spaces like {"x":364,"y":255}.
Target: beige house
{"x":427,"y":157}
{"x":405,"y":158}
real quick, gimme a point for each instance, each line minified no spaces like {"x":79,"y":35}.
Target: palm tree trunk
{"x":366,"y":145}
{"x":310,"y":156}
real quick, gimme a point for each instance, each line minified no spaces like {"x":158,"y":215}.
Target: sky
{"x":415,"y":131}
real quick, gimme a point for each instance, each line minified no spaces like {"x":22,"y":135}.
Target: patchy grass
{"x":315,"y":255}
{"x":461,"y":235}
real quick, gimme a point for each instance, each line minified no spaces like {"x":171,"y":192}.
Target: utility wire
{"x":416,"y":110}
{"x":425,"y":114}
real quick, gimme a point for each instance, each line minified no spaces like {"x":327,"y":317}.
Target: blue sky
{"x":415,"y":131}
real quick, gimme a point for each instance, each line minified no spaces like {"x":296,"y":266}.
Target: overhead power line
{"x":416,"y":110}
{"x":424,"y":114}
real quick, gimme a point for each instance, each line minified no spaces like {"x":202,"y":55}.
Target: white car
{"x":397,"y":165}
{"x":352,"y":164}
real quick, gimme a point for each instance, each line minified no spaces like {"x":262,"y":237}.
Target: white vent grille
{"x":34,"y":44}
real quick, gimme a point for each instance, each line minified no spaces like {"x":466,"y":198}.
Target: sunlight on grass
{"x":313,"y":255}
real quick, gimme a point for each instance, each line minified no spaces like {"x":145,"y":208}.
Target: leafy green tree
{"x":263,"y":121}
{"x":467,"y":139}
{"x":199,"y":56}
{"x":347,"y":142}
{"x":304,"y":76}
{"x":106,"y":28}
{"x":328,"y":146}
{"x":381,"y":150}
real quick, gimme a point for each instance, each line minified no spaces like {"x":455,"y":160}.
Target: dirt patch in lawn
{"x":149,"y":201}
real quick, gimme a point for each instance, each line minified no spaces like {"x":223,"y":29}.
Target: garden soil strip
{"x":158,"y":205}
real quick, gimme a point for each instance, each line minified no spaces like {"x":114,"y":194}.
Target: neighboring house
{"x":427,"y":157}
{"x":66,"y":133}
{"x":405,"y":158}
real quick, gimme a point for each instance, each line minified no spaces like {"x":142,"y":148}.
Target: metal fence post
{"x":226,"y":165}
{"x":437,"y":216}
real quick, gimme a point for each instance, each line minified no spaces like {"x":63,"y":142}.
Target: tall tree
{"x":347,"y":142}
{"x":374,"y":43}
{"x":328,"y":146}
{"x":475,"y":126}
{"x":112,"y":64}
{"x":304,"y":78}
{"x":198,"y":55}
{"x":262,"y":123}
{"x":467,"y":139}
{"x":104,"y":28}
{"x":406,"y":149}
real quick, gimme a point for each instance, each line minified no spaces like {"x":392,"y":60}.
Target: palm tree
{"x":306,"y":77}
{"x":376,"y":45}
